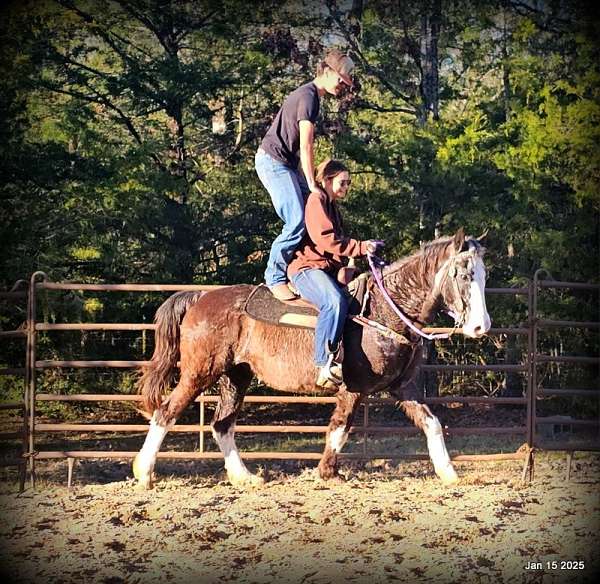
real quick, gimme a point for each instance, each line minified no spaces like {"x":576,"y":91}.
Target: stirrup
{"x":330,"y":375}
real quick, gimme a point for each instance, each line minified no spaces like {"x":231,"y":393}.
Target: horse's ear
{"x":459,"y":240}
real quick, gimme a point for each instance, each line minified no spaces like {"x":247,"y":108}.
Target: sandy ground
{"x":385,"y":523}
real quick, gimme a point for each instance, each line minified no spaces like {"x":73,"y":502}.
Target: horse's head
{"x":460,"y":283}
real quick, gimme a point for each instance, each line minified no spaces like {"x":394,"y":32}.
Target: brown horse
{"x":213,"y":338}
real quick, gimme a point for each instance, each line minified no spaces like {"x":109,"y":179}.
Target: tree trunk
{"x":355,"y":17}
{"x":184,"y":240}
{"x":430,"y":29}
{"x":506,"y":90}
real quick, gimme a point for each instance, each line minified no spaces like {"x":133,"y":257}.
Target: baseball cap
{"x":341,"y":64}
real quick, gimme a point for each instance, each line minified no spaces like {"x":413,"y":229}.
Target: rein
{"x":375,"y":264}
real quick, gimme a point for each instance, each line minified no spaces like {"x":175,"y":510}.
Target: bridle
{"x":451,"y":272}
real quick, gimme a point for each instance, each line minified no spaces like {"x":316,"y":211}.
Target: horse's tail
{"x":158,"y":375}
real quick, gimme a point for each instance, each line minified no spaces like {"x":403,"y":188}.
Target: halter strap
{"x":375,"y":264}
{"x":451,"y":273}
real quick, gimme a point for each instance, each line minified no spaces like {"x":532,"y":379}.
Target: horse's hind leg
{"x":337,"y":432}
{"x":422,"y":417}
{"x":162,"y":421}
{"x":233,"y":388}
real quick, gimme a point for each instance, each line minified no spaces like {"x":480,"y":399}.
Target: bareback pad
{"x":262,"y":305}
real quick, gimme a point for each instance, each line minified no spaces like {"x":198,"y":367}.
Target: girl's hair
{"x":329,"y":169}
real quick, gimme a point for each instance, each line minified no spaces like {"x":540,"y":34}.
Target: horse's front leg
{"x":233,"y":388}
{"x":162,"y":421}
{"x":337,"y":432}
{"x":424,"y":419}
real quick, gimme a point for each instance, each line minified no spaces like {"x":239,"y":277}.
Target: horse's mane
{"x":429,"y":253}
{"x":410,"y":279}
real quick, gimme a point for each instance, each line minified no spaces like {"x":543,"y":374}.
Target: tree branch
{"x":355,"y":45}
{"x":99,"y":99}
{"x":363,"y":104}
{"x":69,"y":60}
{"x":89,"y":19}
{"x":522,"y":9}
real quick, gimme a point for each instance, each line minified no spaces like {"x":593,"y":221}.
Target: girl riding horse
{"x":320,"y":260}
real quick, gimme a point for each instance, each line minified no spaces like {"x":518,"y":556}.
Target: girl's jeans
{"x":288,"y":190}
{"x":321,"y":289}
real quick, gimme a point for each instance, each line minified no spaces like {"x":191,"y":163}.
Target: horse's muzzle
{"x":477,"y":330}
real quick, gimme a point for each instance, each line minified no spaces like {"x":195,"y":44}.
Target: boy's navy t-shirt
{"x":282,"y":141}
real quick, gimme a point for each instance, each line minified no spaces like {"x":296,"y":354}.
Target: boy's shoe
{"x":330,"y":375}
{"x":282,"y":292}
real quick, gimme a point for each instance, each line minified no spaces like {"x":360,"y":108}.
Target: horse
{"x":214,"y":339}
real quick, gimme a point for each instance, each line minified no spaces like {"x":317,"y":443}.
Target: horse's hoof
{"x":329,"y":474}
{"x":448,"y":476}
{"x":335,"y":479}
{"x":249,"y":481}
{"x":145,"y":483}
{"x":143,"y":477}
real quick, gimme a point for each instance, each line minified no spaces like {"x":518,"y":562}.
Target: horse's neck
{"x":409,"y":288}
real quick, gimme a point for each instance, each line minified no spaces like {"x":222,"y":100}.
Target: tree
{"x":128,"y":106}
{"x":129,"y":129}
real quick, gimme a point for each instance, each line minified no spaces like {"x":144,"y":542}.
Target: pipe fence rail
{"x":529,"y":368}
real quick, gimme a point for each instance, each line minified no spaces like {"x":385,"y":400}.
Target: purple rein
{"x":376,"y":264}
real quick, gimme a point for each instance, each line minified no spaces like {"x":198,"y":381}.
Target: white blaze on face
{"x":479,"y":321}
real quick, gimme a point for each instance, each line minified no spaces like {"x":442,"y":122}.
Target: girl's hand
{"x":374,"y":246}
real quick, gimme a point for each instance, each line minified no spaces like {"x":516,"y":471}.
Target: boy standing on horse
{"x":317,"y":268}
{"x":285,"y":162}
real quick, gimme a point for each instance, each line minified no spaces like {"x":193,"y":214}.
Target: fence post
{"x":24,"y":429}
{"x":31,"y":371}
{"x":202,"y":414}
{"x":532,"y":402}
{"x":365,"y":445}
{"x":531,"y":379}
{"x":28,"y":375}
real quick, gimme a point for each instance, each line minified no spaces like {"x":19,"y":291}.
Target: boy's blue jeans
{"x":288,"y":190}
{"x":321,"y":289}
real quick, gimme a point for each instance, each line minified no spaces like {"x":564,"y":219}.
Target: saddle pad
{"x":262,"y":305}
